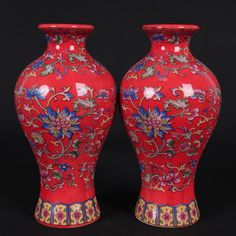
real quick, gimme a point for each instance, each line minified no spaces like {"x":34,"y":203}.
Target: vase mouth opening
{"x":66,"y":28}
{"x":170,"y":27}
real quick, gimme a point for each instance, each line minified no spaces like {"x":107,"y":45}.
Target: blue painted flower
{"x":64,"y":167}
{"x":159,"y":95}
{"x":153,"y":123}
{"x":37,"y":64}
{"x":48,"y":37}
{"x":138,"y":67}
{"x":60,"y":123}
{"x":158,"y":37}
{"x":142,"y":167}
{"x":35,"y":92}
{"x":103,"y":94}
{"x":130,"y":93}
{"x":68,"y":96}
{"x":193,"y":163}
{"x":199,"y":94}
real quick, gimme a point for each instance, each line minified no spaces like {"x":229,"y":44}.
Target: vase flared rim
{"x":188,"y":27}
{"x":64,"y":27}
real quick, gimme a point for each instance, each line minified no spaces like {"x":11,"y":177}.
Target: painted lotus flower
{"x":153,"y":123}
{"x":60,"y":123}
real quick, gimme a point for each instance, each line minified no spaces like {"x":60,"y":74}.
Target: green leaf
{"x":170,"y":143}
{"x":74,"y":153}
{"x":88,"y":103}
{"x":181,"y":59}
{"x":149,"y":72}
{"x":187,"y":173}
{"x":174,"y":39}
{"x":58,"y":39}
{"x":57,"y":175}
{"x":48,"y":69}
{"x":78,"y":57}
{"x":170,"y":152}
{"x":177,"y":104}
{"x":192,"y":152}
{"x":76,"y":143}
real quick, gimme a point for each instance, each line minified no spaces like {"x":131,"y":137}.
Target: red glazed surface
{"x":65,"y":102}
{"x":170,"y":104}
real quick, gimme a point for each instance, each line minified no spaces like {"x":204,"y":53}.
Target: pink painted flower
{"x":194,"y":68}
{"x":99,"y":113}
{"x":166,"y":217}
{"x":182,"y":216}
{"x":90,"y":211}
{"x":21,"y":117}
{"x":77,"y":215}
{"x":45,"y":175}
{"x":37,"y":209}
{"x":45,"y":213}
{"x":150,"y":214}
{"x":193,"y":113}
{"x":184,"y":147}
{"x":139,"y":209}
{"x":60,"y":215}
{"x":194,"y":212}
{"x":169,"y":179}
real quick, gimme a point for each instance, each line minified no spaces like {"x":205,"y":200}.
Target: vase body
{"x":170,"y":104}
{"x":65,"y":101}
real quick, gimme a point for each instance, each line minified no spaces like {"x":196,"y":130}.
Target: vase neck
{"x":66,"y":38}
{"x":170,"y":38}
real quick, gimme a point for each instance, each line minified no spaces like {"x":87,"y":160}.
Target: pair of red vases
{"x":169,"y":103}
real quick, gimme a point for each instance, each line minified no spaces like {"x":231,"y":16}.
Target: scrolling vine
{"x":58,"y":134}
{"x":158,"y":132}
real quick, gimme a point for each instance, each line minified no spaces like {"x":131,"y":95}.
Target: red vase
{"x":65,"y":102}
{"x":170,"y":104}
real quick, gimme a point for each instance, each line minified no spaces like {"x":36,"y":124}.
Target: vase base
{"x":66,"y":226}
{"x":167,"y":216}
{"x":60,"y":215}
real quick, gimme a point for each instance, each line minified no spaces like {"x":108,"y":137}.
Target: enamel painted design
{"x":170,"y":103}
{"x":59,"y":214}
{"x":165,"y":215}
{"x":65,"y":101}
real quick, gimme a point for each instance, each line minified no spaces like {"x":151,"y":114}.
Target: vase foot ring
{"x":167,"y":216}
{"x":66,"y":226}
{"x":61,"y":215}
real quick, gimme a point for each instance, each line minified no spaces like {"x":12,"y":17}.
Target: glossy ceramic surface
{"x":170,"y":103}
{"x":65,"y":102}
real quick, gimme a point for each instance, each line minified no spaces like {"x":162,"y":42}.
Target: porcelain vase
{"x":65,"y":101}
{"x":170,"y":103}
